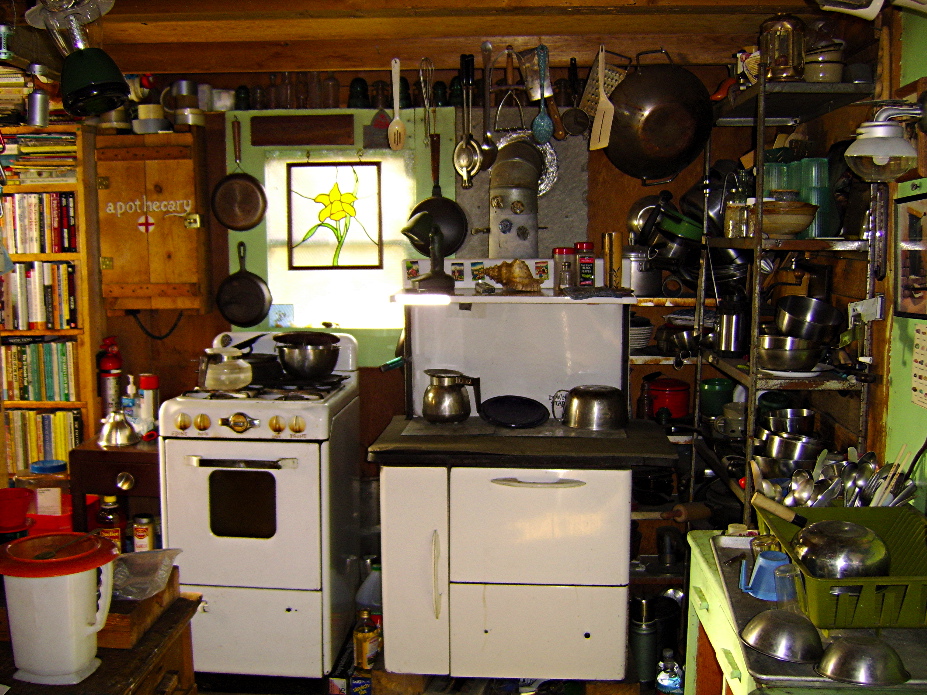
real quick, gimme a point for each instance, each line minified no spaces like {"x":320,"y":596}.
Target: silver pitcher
{"x":445,"y":399}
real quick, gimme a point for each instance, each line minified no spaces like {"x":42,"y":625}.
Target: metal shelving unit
{"x":763,"y":105}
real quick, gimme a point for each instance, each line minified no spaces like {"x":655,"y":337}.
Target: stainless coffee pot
{"x":445,"y":399}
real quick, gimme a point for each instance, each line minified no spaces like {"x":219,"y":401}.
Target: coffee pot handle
{"x":473,"y":381}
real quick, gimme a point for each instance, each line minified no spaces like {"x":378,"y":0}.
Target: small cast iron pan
{"x":243,"y":298}
{"x":447,"y":213}
{"x":517,"y":412}
{"x":238,"y":200}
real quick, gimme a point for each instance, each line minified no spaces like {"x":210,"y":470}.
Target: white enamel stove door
{"x":256,"y":526}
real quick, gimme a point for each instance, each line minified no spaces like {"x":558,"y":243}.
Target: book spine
{"x":72,"y":295}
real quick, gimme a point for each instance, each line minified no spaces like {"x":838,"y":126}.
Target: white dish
{"x":798,"y":375}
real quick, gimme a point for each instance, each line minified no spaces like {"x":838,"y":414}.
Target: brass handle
{"x":125,"y":481}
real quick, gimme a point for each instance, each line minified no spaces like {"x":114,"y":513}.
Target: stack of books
{"x":14,"y":88}
{"x":39,"y":295}
{"x":40,"y":435}
{"x":37,"y":369}
{"x":41,"y":158}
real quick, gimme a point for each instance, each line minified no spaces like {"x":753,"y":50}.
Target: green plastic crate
{"x":896,"y":600}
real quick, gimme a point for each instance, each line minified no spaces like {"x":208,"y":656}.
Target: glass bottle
{"x":111,"y":522}
{"x":286,"y":98}
{"x":366,"y":641}
{"x":669,"y":675}
{"x":242,"y":98}
{"x":314,"y":91}
{"x":258,"y":98}
{"x":330,"y":92}
{"x":736,"y":209}
{"x":273,"y":93}
{"x":301,"y":93}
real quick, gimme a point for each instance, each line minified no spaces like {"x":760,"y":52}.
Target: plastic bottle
{"x":111,"y":522}
{"x":366,"y":641}
{"x":147,"y":403}
{"x":130,"y":404}
{"x":370,"y":596}
{"x":669,"y":675}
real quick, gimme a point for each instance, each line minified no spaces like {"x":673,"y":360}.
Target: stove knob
{"x":239,"y":422}
{"x":297,"y":424}
{"x":277,"y":424}
{"x":182,"y":422}
{"x":201,"y":422}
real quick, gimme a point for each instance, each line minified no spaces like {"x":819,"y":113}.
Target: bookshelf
{"x":51,"y":321}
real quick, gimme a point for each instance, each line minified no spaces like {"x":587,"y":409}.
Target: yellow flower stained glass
{"x":337,"y":205}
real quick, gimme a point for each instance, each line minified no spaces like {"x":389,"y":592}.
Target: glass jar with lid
{"x":782,"y":48}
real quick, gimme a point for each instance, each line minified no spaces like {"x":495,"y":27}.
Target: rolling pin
{"x":688,"y":511}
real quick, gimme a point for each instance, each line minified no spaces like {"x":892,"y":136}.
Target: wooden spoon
{"x":397,"y":129}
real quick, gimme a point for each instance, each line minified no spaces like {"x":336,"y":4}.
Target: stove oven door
{"x":244,"y":513}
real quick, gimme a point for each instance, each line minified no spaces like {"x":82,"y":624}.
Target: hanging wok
{"x":243,"y":298}
{"x":446,"y":213}
{"x":238,"y":200}
{"x":663,"y":117}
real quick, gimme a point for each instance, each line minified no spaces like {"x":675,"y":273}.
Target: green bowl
{"x":681,"y":226}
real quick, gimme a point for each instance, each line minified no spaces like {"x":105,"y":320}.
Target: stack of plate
{"x":686,"y":317}
{"x":639,"y":337}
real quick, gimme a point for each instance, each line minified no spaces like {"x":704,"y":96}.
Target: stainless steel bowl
{"x":595,"y":407}
{"x":791,"y":420}
{"x":787,"y":354}
{"x":772,"y":467}
{"x":833,"y":549}
{"x":308,"y":361}
{"x":784,"y":635}
{"x":864,"y":660}
{"x":807,"y":318}
{"x":782,"y":445}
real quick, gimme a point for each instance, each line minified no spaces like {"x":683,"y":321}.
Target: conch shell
{"x":513,"y":275}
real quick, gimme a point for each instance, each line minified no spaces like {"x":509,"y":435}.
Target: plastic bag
{"x":139,"y":575}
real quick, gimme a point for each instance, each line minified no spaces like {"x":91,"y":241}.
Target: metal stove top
{"x":288,"y":409}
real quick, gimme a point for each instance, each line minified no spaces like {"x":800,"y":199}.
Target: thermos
{"x":733,"y":329}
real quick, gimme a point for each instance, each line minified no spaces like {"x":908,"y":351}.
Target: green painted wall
{"x":905,"y":422}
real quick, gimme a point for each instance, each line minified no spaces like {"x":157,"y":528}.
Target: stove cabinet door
{"x":413,"y":522}
{"x":244,"y":513}
{"x":531,"y":526}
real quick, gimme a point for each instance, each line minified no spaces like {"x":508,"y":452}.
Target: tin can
{"x":143,"y":532}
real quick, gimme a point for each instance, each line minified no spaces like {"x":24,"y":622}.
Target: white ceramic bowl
{"x":823,"y":71}
{"x":142,"y":126}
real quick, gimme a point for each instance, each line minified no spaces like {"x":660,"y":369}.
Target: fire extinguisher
{"x":109,"y":374}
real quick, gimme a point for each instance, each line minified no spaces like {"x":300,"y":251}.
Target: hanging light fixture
{"x":91,"y":83}
{"x":879,"y":155}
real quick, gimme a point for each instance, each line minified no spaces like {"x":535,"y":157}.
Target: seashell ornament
{"x":514,"y":275}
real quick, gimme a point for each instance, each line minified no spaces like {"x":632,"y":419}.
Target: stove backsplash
{"x":530,"y":350}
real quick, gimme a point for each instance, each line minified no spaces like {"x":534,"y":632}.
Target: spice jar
{"x":584,"y":265}
{"x":564,"y":258}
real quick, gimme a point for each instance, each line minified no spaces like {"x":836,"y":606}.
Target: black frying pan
{"x":243,"y":298}
{"x":238,"y":200}
{"x":446,"y":213}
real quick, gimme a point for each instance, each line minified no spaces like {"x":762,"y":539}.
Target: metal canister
{"x":143,"y":532}
{"x":638,"y":274}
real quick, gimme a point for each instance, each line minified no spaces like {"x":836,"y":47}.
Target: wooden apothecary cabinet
{"x":153,"y":204}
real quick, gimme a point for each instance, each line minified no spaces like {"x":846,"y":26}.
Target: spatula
{"x":604,"y":110}
{"x":396,"y":132}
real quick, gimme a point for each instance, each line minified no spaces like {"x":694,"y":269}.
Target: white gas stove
{"x":259,"y":490}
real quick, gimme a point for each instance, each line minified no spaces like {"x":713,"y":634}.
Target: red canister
{"x":672,"y":394}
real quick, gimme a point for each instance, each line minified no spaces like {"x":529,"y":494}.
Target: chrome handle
{"x":515,"y":482}
{"x":435,"y":587}
{"x":125,"y":481}
{"x":193,"y":460}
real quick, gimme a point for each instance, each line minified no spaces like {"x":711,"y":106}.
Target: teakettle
{"x":221,"y":369}
{"x":445,"y":399}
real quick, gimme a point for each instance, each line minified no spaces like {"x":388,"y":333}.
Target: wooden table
{"x":160,"y":664}
{"x":128,"y":470}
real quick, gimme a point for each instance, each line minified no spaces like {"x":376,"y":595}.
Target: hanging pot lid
{"x":517,"y":412}
{"x":87,"y":553}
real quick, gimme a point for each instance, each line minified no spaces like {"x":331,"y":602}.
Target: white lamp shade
{"x":880,"y":152}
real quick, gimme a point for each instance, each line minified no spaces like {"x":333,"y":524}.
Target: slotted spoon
{"x":604,"y":111}
{"x":397,"y":129}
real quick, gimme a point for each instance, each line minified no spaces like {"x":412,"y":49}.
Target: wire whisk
{"x":426,"y":75}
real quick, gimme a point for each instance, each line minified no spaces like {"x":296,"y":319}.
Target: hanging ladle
{"x":488,"y":147}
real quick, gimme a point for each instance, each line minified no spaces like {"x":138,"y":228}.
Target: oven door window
{"x":243,"y":504}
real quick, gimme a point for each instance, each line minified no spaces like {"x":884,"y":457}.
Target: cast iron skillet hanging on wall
{"x":663,"y":117}
{"x":243,"y":298}
{"x":238,"y":200}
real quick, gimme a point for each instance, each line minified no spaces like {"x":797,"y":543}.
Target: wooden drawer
{"x":117,"y":478}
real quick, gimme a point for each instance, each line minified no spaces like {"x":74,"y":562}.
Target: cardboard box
{"x":339,"y":680}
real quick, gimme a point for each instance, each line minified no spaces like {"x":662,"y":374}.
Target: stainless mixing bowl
{"x":784,"y":635}
{"x":791,"y":420}
{"x":863,"y":660}
{"x":787,"y":354}
{"x":808,"y":318}
{"x":833,"y":549}
{"x":782,"y":445}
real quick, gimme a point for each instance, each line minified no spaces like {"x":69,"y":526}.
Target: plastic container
{"x":370,"y":595}
{"x":896,"y":600}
